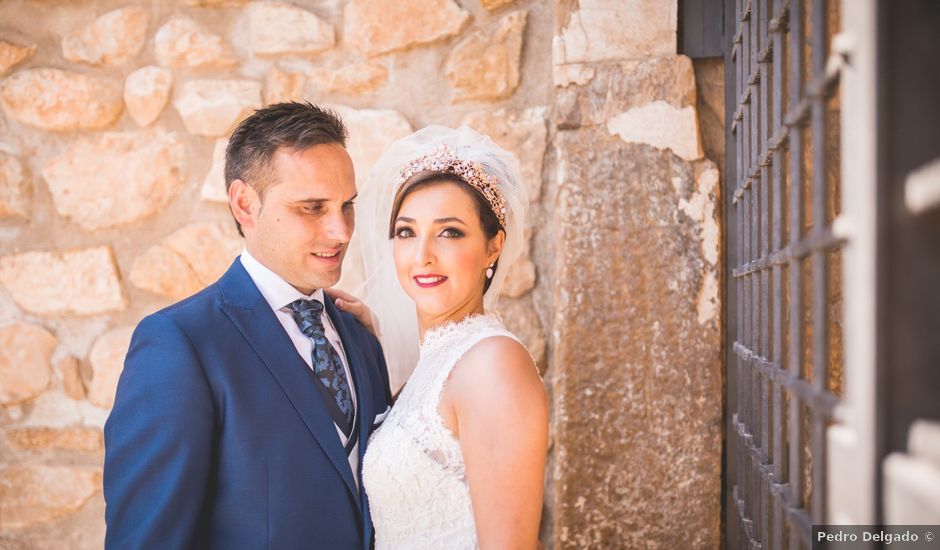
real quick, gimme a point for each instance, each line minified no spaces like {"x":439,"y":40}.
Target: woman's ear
{"x":244,"y":203}
{"x":495,"y":247}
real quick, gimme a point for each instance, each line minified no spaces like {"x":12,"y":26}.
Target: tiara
{"x":444,"y":159}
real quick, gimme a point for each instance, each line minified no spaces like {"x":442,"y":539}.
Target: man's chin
{"x":325,"y":280}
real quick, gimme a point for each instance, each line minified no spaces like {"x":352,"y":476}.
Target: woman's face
{"x":441,"y":252}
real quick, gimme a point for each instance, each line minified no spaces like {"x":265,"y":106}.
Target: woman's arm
{"x":496,"y":404}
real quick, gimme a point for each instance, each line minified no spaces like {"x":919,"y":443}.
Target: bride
{"x":459,"y":461}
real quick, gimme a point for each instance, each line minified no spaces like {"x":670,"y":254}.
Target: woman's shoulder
{"x":495,"y":364}
{"x":498,"y":348}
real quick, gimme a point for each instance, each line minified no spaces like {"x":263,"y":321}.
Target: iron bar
{"x":795,"y":356}
{"x":820,"y":306}
{"x":773,"y":394}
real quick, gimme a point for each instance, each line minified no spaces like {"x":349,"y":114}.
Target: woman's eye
{"x":312,"y":208}
{"x":404,"y":232}
{"x":452,"y":233}
{"x":349,"y":206}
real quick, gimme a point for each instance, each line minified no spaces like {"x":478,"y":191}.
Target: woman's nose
{"x":424,"y":254}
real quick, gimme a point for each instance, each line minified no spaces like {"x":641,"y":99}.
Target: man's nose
{"x":339,"y":228}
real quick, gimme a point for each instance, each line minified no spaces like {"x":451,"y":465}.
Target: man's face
{"x":301,"y":228}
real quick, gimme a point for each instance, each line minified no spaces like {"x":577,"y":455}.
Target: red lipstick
{"x":429,"y":280}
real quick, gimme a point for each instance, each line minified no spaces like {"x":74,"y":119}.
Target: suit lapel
{"x":359,"y":372}
{"x":243,"y":304}
{"x":362,"y":384}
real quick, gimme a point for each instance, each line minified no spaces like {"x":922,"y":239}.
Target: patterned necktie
{"x":326,"y":362}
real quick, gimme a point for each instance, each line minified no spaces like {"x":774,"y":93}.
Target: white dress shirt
{"x":279,"y":294}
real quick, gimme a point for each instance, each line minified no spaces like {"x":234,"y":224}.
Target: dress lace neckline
{"x":435,"y":334}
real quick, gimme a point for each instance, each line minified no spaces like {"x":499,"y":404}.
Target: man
{"x":243,"y":412}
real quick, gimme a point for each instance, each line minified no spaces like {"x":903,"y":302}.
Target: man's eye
{"x":404,"y":233}
{"x":312,"y":208}
{"x":452,"y":233}
{"x":349,"y":206}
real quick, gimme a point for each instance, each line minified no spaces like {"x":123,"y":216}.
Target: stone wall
{"x":635,"y":271}
{"x":112,"y":205}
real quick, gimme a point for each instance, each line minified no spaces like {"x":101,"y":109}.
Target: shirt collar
{"x":276,"y":291}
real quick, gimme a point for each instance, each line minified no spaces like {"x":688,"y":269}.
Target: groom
{"x":243,"y":412}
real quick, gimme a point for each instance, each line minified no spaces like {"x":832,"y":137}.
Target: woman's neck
{"x":427,"y":321}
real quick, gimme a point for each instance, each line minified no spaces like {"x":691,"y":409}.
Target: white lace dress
{"x":413,"y":470}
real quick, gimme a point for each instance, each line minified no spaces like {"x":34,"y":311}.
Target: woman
{"x":459,"y":461}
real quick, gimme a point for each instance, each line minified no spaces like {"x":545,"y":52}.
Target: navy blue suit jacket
{"x":219,"y":439}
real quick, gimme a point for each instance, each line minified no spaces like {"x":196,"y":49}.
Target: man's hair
{"x":256,"y":139}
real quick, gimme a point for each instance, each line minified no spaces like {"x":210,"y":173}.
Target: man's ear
{"x":244,"y":202}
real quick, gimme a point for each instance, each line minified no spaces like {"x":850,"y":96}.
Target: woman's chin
{"x":433,"y":311}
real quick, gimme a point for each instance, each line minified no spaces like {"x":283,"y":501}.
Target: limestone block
{"x":50,"y":410}
{"x":70,"y":371}
{"x":495,"y":4}
{"x":181,"y":42}
{"x":699,"y":204}
{"x":37,"y":494}
{"x":53,"y":99}
{"x":355,"y":79}
{"x":520,"y":278}
{"x":146,"y":92}
{"x":661,"y":125}
{"x":624,"y":86}
{"x":601,"y":30}
{"x":213,"y":187}
{"x":281,"y":85}
{"x":214,"y":3}
{"x":107,"y":362}
{"x":521,"y":319}
{"x":278,"y":28}
{"x":163,"y":271}
{"x":524,"y":133}
{"x":487,"y":67}
{"x":214,"y":107}
{"x":371,"y":132}
{"x":188,"y":260}
{"x":628,"y":334}
{"x":15,"y":189}
{"x":35,"y":281}
{"x":66,"y":439}
{"x":25,"y":371}
{"x":112,"y":39}
{"x":11,"y":54}
{"x":116,"y":178}
{"x":575,"y":73}
{"x":377,"y":27}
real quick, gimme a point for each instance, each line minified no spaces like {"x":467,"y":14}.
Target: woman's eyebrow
{"x":449,"y":219}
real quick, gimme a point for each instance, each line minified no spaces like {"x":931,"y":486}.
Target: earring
{"x":489,"y":271}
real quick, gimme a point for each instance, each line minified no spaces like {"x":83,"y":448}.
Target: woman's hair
{"x":488,"y":220}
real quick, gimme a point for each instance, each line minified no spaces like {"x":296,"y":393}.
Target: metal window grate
{"x":785,"y":372}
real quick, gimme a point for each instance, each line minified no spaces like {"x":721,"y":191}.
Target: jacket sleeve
{"x":158,"y":442}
